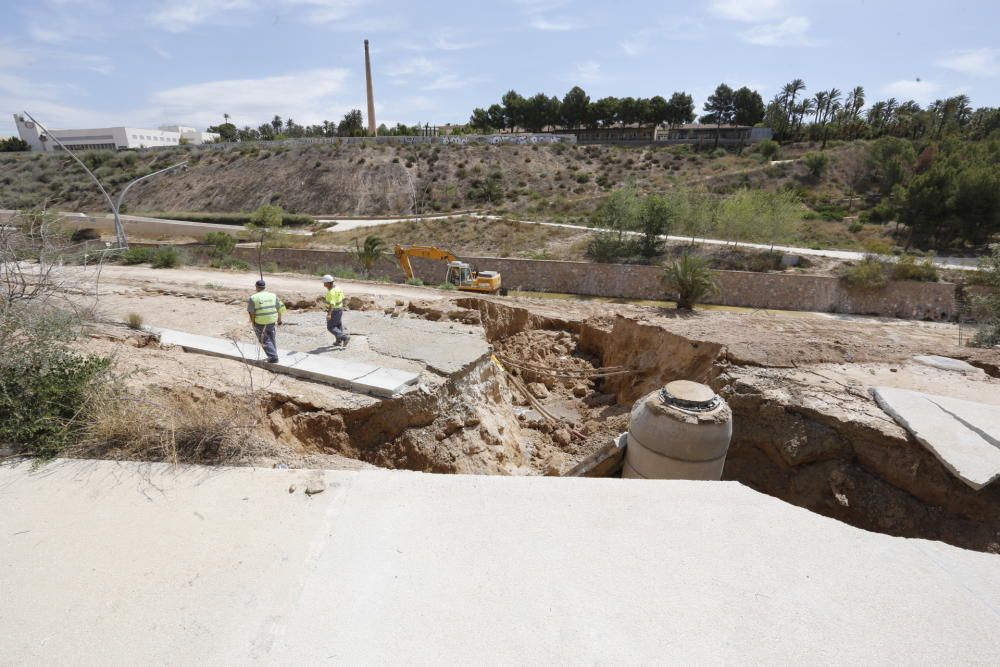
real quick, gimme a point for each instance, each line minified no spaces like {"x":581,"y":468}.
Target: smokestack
{"x":371,"y":96}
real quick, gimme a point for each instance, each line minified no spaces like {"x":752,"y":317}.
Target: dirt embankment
{"x":805,"y":428}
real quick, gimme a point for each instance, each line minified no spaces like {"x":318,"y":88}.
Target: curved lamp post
{"x":119,"y":228}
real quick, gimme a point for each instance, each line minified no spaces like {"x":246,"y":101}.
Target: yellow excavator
{"x":459,"y":274}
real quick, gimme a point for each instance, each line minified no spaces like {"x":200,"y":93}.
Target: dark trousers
{"x":335,"y":325}
{"x":267,"y":334}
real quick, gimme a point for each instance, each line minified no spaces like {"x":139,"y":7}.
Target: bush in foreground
{"x":43,"y":400}
{"x":166,"y":258}
{"x":137,"y":256}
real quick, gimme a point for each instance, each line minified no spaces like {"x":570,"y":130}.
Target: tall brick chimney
{"x":372,"y":131}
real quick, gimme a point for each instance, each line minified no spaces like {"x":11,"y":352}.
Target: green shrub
{"x":221,"y":242}
{"x":907,"y":268}
{"x":869,"y":274}
{"x":816,"y":163}
{"x":42,"y":401}
{"x":719,"y":152}
{"x":690,"y":279}
{"x":446,"y":286}
{"x":166,"y":258}
{"x":137,"y":256}
{"x":607,"y":248}
{"x":769,"y":149}
{"x":414,"y":281}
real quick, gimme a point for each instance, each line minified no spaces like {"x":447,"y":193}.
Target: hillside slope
{"x":324,"y":179}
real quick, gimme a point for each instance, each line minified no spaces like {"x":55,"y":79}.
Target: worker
{"x":335,"y":310}
{"x":265,"y":310}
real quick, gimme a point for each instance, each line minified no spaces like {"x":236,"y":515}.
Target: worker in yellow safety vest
{"x":335,"y":311}
{"x":265,"y":309}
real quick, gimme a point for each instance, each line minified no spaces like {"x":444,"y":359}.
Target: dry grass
{"x":162,"y":425}
{"x":134,"y":321}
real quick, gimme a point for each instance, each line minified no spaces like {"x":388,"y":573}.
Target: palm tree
{"x":876,"y":117}
{"x":855,"y":102}
{"x":789,"y":93}
{"x":690,"y":279}
{"x":227,"y":117}
{"x":368,"y":254}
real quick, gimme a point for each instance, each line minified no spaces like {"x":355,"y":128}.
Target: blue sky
{"x":90,"y":63}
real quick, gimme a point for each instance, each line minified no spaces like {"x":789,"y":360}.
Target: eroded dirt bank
{"x":536,"y":401}
{"x":801,"y":435}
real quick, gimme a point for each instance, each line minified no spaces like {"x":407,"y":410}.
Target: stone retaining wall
{"x":782,"y":291}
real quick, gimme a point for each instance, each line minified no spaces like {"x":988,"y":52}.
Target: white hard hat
{"x":328,"y":278}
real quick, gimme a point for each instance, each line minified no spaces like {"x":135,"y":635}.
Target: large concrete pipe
{"x":679,"y":432}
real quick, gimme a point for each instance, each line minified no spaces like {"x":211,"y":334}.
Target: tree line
{"x":351,"y":125}
{"x":832,"y":114}
{"x":576,"y":110}
{"x":792,"y":114}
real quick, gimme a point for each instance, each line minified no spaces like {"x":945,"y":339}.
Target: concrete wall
{"x":782,"y":291}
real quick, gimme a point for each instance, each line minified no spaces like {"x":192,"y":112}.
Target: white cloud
{"x":589,"y":71}
{"x":447,"y":82}
{"x":11,"y":57}
{"x":564,"y":24}
{"x":417,"y":65}
{"x":984,"y":62}
{"x":181,"y":15}
{"x":308,"y":97}
{"x":325,"y":11}
{"x":536,"y":12}
{"x":750,"y":11}
{"x":906,"y":89}
{"x":789,"y":32}
{"x":674,"y":29}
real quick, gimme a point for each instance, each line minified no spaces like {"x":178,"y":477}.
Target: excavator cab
{"x":459,"y":274}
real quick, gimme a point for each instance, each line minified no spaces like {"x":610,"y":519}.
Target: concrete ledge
{"x":107,"y":563}
{"x":352,"y":375}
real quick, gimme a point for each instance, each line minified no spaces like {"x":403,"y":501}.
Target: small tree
{"x":769,"y":149}
{"x":690,"y":280}
{"x":488,"y":190}
{"x":222,"y":244}
{"x":655,"y":219}
{"x":368,"y":254}
{"x":265,"y":224}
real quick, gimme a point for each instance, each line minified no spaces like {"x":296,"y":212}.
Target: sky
{"x":100,"y":63}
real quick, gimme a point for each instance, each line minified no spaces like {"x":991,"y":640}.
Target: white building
{"x":110,"y":138}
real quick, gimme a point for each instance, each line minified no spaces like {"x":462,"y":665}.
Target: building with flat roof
{"x":109,"y":138}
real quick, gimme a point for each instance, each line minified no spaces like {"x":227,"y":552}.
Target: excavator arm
{"x":428,"y":252}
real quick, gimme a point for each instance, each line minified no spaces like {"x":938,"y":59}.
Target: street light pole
{"x":119,"y":228}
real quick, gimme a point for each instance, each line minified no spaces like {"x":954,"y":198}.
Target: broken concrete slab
{"x":344,"y":373}
{"x":947,"y":364}
{"x":963,"y":435}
